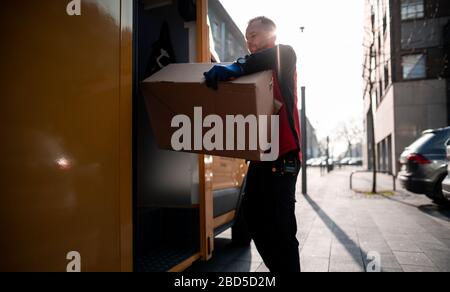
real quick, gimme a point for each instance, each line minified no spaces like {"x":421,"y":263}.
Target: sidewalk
{"x":338,"y":228}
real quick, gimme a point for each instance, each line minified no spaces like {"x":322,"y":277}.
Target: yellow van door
{"x":65,"y":132}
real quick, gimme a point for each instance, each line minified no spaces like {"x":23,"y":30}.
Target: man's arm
{"x":281,"y":59}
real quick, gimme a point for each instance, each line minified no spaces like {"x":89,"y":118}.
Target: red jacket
{"x":287,"y":139}
{"x":282,"y":60}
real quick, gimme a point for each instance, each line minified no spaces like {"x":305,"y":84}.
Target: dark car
{"x":424,"y":164}
{"x":446,"y":182}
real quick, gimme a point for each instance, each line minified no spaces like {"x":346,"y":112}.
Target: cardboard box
{"x":179,"y":88}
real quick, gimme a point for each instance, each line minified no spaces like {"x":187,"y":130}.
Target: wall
{"x":384,"y":117}
{"x":419,"y":106}
{"x":229,"y":41}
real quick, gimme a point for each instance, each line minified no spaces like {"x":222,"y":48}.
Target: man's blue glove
{"x":222,"y":73}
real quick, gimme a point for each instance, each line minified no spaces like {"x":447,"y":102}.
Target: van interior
{"x":166,"y":184}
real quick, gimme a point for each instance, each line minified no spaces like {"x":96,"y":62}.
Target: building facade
{"x":228,"y":42}
{"x":313,"y":145}
{"x":406,"y":75}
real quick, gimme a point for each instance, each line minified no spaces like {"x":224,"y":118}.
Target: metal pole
{"x":304,"y":133}
{"x":328,"y":154}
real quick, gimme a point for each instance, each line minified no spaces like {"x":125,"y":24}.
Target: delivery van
{"x":84,"y":185}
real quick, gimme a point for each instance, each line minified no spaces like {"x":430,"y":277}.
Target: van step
{"x":163,"y":259}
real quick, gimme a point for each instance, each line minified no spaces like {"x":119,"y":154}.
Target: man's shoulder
{"x":286,"y":47}
{"x":287,"y":50}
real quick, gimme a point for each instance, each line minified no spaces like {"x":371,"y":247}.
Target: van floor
{"x":164,"y":259}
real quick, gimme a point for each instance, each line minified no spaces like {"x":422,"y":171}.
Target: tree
{"x":370,"y":87}
{"x":349,"y":132}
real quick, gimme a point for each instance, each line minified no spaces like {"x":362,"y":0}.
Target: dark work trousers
{"x":269,"y":209}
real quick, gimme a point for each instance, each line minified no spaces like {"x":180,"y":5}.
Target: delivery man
{"x":269,"y":202}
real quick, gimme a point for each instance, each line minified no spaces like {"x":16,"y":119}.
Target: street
{"x":339,"y":228}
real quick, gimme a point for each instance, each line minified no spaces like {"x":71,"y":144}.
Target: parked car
{"x":330,"y":165}
{"x":355,"y":161}
{"x":323,"y":162}
{"x":311,"y":161}
{"x":446,"y":182}
{"x":424,"y":164}
{"x":318,"y":162}
{"x":345,"y":161}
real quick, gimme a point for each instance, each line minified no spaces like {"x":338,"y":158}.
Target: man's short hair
{"x":268,"y":23}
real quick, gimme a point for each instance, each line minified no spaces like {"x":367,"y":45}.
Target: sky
{"x":329,"y":50}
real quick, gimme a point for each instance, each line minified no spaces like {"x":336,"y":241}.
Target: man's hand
{"x":222,"y":73}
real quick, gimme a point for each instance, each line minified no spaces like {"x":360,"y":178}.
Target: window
{"x":380,"y":44}
{"x":414,"y":66}
{"x":216,"y":31}
{"x":374,"y":99}
{"x":389,"y":154}
{"x":413,"y":9}
{"x":381,"y":89}
{"x":373,"y":66}
{"x":386,"y":76}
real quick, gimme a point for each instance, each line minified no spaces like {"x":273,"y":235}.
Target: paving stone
{"x":241,"y":267}
{"x":404,"y":246}
{"x":440,"y":258}
{"x":418,"y":269}
{"x":414,"y":259}
{"x":312,"y":264}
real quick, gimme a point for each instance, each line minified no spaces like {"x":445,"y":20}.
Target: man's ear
{"x":272,"y":37}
